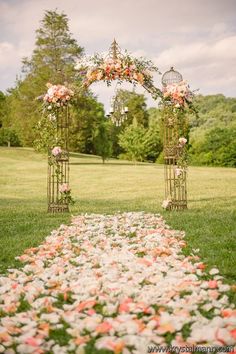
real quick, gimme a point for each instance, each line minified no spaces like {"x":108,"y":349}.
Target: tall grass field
{"x":209,"y":222}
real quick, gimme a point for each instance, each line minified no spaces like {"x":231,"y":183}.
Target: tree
{"x":218,"y":148}
{"x":132,"y":140}
{"x":137,"y":106}
{"x":8,"y":137}
{"x":212,"y":132}
{"x":140,"y":144}
{"x":102,"y":140}
{"x":55,"y":51}
{"x":2,"y":108}
{"x":53,"y":60}
{"x":137,"y":114}
{"x":86,"y":116}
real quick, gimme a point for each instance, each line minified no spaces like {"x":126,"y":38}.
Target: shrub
{"x":9,"y":137}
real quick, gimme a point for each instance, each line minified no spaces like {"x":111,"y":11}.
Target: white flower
{"x":166,"y":203}
{"x":80,"y":350}
{"x":214,"y":271}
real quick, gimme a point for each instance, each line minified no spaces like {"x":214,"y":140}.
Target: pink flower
{"x":88,"y":304}
{"x":182,"y":141}
{"x":125,"y":305}
{"x":56,"y":151}
{"x":212,"y":284}
{"x":34,"y":342}
{"x":228,"y":312}
{"x":103,"y":327}
{"x":64,"y":188}
{"x":57,"y":93}
{"x":233,"y":333}
{"x":201,"y":266}
{"x":178,"y":171}
{"x":91,"y":312}
{"x":214,"y":294}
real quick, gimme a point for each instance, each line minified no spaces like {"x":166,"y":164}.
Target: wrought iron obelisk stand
{"x":174,"y":128}
{"x":58,"y":166}
{"x":175,"y":178}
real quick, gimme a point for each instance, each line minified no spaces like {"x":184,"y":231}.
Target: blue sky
{"x":198,"y":38}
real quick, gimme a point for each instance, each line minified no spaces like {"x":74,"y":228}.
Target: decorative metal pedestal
{"x":175,"y":175}
{"x":58,"y":165}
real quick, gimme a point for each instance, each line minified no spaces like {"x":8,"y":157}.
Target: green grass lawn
{"x":210,"y":221}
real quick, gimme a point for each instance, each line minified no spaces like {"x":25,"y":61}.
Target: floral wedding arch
{"x":175,"y":101}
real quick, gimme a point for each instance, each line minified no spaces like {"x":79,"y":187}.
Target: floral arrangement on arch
{"x":123,"y":68}
{"x":178,"y":95}
{"x":57,"y":96}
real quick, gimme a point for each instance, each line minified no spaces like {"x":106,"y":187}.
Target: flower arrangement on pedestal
{"x":178,"y":95}
{"x":54,"y":100}
{"x":57,"y":96}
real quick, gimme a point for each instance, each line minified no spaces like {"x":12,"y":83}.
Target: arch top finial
{"x":114,"y":51}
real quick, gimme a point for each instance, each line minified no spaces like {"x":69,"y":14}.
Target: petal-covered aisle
{"x":113,"y":284}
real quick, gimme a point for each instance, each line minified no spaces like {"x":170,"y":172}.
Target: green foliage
{"x":24,"y":305}
{"x":60,"y":335}
{"x":45,"y":132}
{"x":137,"y":107}
{"x":212,"y":136}
{"x":211,"y":133}
{"x":140,"y":144}
{"x":138,"y":138}
{"x":137,"y":115}
{"x":8,"y":137}
{"x":218,"y":148}
{"x":102,"y":141}
{"x":154,"y":142}
{"x":133,"y":141}
{"x":2,"y":107}
{"x":55,"y":51}
{"x":86,"y":116}
{"x":186,"y":330}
